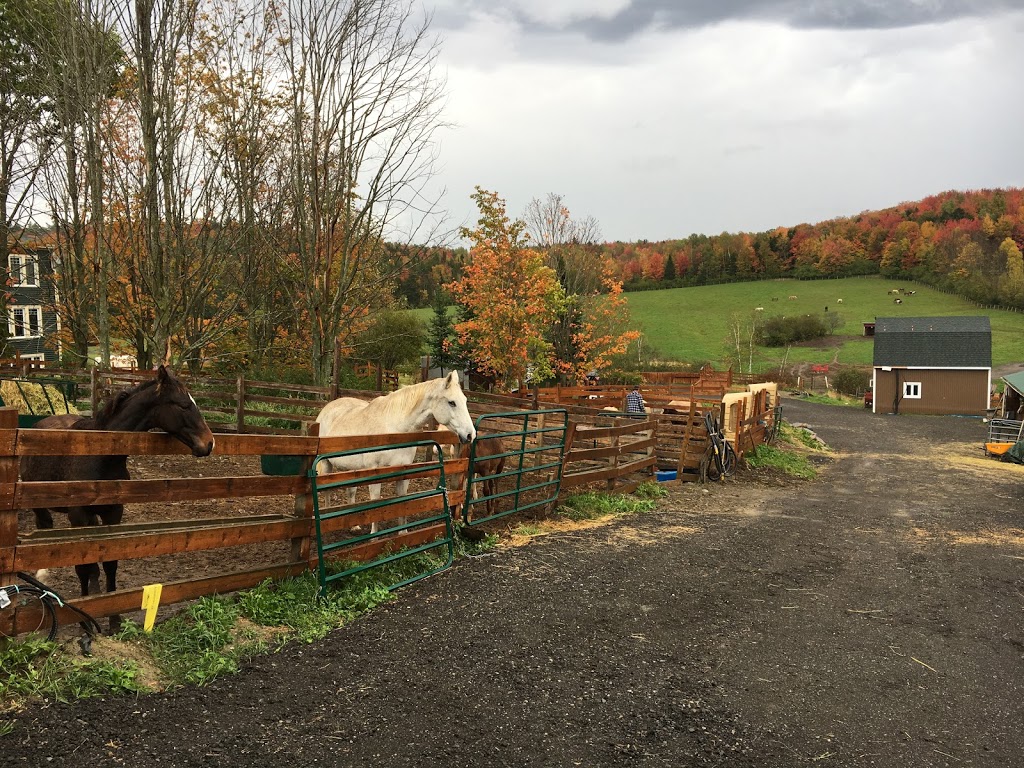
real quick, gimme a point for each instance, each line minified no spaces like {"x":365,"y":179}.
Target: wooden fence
{"x":607,"y":455}
{"x":69,"y":546}
{"x":611,"y":456}
{"x":612,"y":451}
{"x":247,"y":406}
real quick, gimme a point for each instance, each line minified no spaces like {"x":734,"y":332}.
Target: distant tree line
{"x":968,"y":243}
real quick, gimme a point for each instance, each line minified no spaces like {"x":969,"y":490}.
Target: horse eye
{"x":451,"y":403}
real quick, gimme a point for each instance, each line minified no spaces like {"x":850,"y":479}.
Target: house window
{"x":23,"y":271}
{"x":25,"y":322}
{"x":912,"y":390}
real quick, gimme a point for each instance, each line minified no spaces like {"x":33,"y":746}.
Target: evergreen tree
{"x":670,"y":269}
{"x":440,"y":334}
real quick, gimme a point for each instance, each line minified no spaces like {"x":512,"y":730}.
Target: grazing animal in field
{"x":909,"y":293}
{"x":839,"y":301}
{"x":409,"y":409}
{"x":163,"y":403}
{"x":775,"y":298}
{"x":759,"y":309}
{"x":792,"y":298}
{"x":894,"y":291}
{"x":487,"y":462}
{"x":897,"y":301}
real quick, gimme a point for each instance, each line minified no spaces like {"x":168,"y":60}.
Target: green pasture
{"x":693,"y":324}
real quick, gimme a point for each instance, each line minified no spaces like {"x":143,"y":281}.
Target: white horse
{"x":409,"y":409}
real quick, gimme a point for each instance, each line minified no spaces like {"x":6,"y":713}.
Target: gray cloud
{"x":643,"y":15}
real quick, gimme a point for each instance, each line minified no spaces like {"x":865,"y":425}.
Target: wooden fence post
{"x":94,"y":395}
{"x":611,"y":482}
{"x":8,"y":480}
{"x":302,"y":545}
{"x":687,"y":436}
{"x":240,"y":406}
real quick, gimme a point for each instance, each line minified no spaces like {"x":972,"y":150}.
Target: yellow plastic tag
{"x":150,"y":602}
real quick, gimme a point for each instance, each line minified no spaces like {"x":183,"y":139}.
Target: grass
{"x":692,"y":324}
{"x":208,"y":639}
{"x":771,"y":457}
{"x":35,"y":668}
{"x":833,"y":399}
{"x":592,"y":505}
{"x":790,"y":453}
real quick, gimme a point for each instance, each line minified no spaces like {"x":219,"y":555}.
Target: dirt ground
{"x":871,"y":617}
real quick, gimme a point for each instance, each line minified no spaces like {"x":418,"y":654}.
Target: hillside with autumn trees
{"x":968,"y":243}
{"x":965,"y":242}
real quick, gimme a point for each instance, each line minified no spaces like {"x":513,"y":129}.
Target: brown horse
{"x":487,"y":462}
{"x":162,"y":404}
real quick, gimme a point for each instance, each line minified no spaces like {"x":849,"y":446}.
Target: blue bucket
{"x":664,"y":475}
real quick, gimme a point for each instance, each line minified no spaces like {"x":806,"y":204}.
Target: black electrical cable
{"x":15,"y":591}
{"x":49,"y":597}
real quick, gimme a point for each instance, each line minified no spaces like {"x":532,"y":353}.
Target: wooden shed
{"x":934,"y":365}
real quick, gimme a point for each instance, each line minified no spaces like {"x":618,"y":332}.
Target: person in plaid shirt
{"x":635,"y":401}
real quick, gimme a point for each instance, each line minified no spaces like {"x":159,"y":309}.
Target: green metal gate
{"x":323,"y":515}
{"x":543,"y":475}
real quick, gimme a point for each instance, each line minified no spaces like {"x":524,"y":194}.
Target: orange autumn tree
{"x":600,"y":328}
{"x":508,"y":294}
{"x":591,"y":317}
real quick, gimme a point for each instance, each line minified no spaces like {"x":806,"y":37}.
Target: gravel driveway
{"x":871,"y":617}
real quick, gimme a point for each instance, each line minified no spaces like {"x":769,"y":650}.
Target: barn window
{"x":912,"y":390}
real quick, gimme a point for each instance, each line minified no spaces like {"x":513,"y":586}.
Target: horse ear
{"x":453,"y":378}
{"x":161,"y":377}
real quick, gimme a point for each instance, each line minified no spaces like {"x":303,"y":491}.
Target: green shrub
{"x":850,"y":381}
{"x":779,"y":330}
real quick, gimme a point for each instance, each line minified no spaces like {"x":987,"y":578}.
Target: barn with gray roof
{"x":935,"y":365}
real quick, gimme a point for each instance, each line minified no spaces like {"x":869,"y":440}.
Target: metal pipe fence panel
{"x":328,"y":518}
{"x":538,"y":453}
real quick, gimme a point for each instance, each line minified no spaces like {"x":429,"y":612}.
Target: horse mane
{"x":403,"y":400}
{"x":116,"y":402}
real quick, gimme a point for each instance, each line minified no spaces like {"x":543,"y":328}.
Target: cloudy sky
{"x":661,"y":118}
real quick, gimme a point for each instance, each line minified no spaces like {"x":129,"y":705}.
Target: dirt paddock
{"x":872,"y":617}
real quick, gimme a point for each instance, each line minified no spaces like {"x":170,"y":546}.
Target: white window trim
{"x":912,"y":390}
{"x":28,"y":309}
{"x":17,"y":274}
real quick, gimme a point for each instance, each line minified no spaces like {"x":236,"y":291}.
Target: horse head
{"x":448,"y":407}
{"x":174,"y":411}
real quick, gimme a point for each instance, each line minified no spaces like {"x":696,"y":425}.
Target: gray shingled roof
{"x":934,"y":342}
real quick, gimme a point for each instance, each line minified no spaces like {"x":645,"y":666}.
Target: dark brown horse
{"x":161,"y":404}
